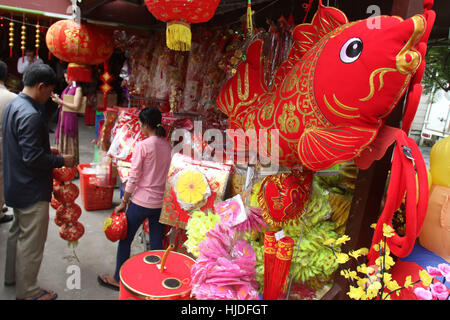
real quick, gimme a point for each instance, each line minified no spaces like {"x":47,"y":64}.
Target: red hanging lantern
{"x":179,"y":14}
{"x":79,"y":44}
{"x":71,"y":231}
{"x":66,"y":192}
{"x":68,"y":212}
{"x":64,"y":174}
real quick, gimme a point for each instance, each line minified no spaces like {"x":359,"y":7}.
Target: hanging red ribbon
{"x":307,"y":8}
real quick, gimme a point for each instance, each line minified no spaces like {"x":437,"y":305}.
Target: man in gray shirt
{"x":28,"y":163}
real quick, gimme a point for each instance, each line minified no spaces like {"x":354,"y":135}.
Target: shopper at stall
{"x":5,"y":97}
{"x":28,"y":59}
{"x":66,"y":132}
{"x":28,"y":163}
{"x":145,"y":187}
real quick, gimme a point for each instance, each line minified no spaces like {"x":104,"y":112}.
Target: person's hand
{"x":54,"y":151}
{"x":55,"y":98}
{"x":120,"y":207}
{"x":69,"y":160}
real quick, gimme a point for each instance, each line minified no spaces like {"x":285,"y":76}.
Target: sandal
{"x":6,"y":218}
{"x":105,"y":283}
{"x":52,"y":295}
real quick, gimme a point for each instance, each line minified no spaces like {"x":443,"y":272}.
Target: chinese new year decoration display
{"x":11,"y":38}
{"x":81,"y":45}
{"x":179,"y":14}
{"x":23,"y":35}
{"x":331,"y":96}
{"x":38,"y":38}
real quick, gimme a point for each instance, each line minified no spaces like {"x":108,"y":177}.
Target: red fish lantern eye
{"x":81,"y":45}
{"x":179,"y":14}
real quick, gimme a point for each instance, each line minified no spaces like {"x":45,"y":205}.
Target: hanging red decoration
{"x":11,"y":38}
{"x":69,"y":212}
{"x":81,"y":45}
{"x":179,"y":14}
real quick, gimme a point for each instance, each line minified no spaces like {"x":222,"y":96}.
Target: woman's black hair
{"x":152,"y":117}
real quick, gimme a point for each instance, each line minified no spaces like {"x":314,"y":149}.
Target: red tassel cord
{"x":270,"y":249}
{"x":280,"y":270}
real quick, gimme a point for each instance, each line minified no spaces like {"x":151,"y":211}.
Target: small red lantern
{"x":58,"y":221}
{"x":55,"y":203}
{"x":179,"y":14}
{"x":66,"y":192}
{"x":115,"y":226}
{"x":71,"y":231}
{"x":68,"y":212}
{"x":64,"y":174}
{"x":79,"y":44}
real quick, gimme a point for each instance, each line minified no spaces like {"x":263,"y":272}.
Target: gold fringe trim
{"x":178,"y":36}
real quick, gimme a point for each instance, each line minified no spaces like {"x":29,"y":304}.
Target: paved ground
{"x":95,"y":252}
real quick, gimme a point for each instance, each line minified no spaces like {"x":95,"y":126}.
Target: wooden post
{"x":371,"y":183}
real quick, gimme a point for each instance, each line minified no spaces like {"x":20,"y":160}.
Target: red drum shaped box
{"x":156,"y":275}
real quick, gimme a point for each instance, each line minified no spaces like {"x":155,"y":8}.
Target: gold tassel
{"x":249,"y":19}
{"x":178,"y":36}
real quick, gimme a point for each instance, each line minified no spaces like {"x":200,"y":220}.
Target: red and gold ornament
{"x":66,"y":192}
{"x":69,"y":212}
{"x":179,"y":14}
{"x":81,"y":45}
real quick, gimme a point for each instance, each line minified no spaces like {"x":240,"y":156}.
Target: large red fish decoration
{"x":331,"y":96}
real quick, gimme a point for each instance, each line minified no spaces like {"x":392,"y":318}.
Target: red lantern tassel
{"x":270,"y":250}
{"x":79,"y":73}
{"x":280,"y":268}
{"x":10,"y":52}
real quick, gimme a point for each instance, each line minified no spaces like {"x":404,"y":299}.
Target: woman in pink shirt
{"x":145,"y":187}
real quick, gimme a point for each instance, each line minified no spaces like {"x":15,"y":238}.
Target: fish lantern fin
{"x":246,"y":85}
{"x":321,"y":148}
{"x":306,"y":35}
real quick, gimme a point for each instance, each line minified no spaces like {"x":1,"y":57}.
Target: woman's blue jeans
{"x":135,"y":217}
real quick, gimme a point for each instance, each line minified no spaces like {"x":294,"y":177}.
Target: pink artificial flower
{"x":439,"y":291}
{"x":423,"y":294}
{"x":434,"y":272}
{"x":445,"y":270}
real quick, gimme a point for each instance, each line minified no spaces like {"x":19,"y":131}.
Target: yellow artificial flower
{"x":342,"y":239}
{"x":385,"y":296}
{"x":191,"y":187}
{"x":388,"y":231}
{"x":348,"y":274}
{"x":373,"y":225}
{"x":329,"y":242}
{"x":387,"y":260}
{"x":392,"y":285}
{"x":365,"y":269}
{"x":373,"y":288}
{"x":341,"y":257}
{"x":408,"y":282}
{"x":356,"y":293}
{"x":425,"y":278}
{"x":358,"y":253}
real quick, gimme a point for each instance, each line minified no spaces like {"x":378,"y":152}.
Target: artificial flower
{"x":425,"y":278}
{"x":385,"y":262}
{"x":329,"y":242}
{"x":439,"y":291}
{"x":348,"y":274}
{"x":341,"y":257}
{"x":356,"y":293}
{"x":408,"y":282}
{"x":445,"y":270}
{"x":342,"y":239}
{"x":365,"y":269}
{"x":392,"y":285}
{"x":355,"y":254}
{"x":423,"y":294}
{"x":373,"y":225}
{"x":434,"y":272}
{"x":191,"y":187}
{"x":388,"y":231}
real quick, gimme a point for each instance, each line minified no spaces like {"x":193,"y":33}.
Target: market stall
{"x":292,"y":222}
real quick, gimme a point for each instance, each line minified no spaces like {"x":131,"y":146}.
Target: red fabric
{"x":183,"y":10}
{"x":69,"y":212}
{"x":71,"y":231}
{"x":403,"y":180}
{"x":64,"y":174}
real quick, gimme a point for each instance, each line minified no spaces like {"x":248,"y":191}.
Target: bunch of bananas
{"x":313,"y":260}
{"x":340,"y":204}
